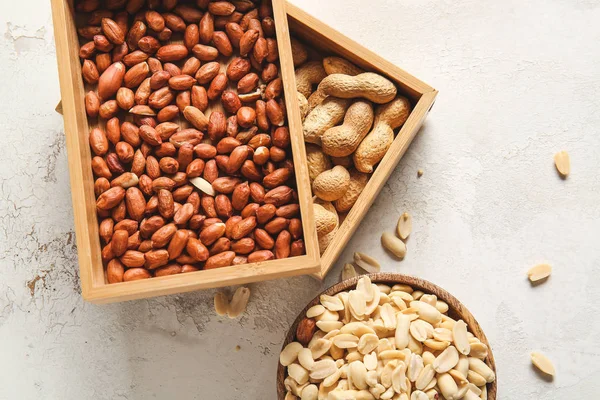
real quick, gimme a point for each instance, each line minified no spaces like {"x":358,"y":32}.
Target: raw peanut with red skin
{"x":238,"y":68}
{"x":119,"y":242}
{"x":262,"y":121}
{"x":106,"y":253}
{"x":188,"y":268}
{"x":112,"y":31}
{"x":195,"y":168}
{"x":191,"y":66}
{"x":174,"y":22}
{"x":207,"y":72}
{"x":240,"y":196}
{"x":232,"y":126}
{"x":261,"y":255}
{"x":135,"y":58}
{"x":181,"y":82}
{"x":272,"y":50}
{"x":132,"y":258}
{"x":269,"y":72}
{"x":260,"y":50}
{"x":261,"y":155}
{"x":148,"y":44}
{"x":211,"y":171}
{"x":106,"y":229}
{"x":165,"y":203}
{"x":221,"y":8}
{"x":247,"y":135}
{"x":159,"y":79}
{"x":221,"y":260}
{"x":223,"y":206}
{"x":222,"y":244}
{"x":191,"y":36}
{"x":225,"y":185}
{"x":100,"y":168}
{"x":243,"y":228}
{"x":108,"y":109}
{"x":210,"y":234}
{"x":276,"y":178}
{"x":101,"y":185}
{"x":230,"y":224}
{"x":277,"y":154}
{"x":239,"y":260}
{"x":136,"y":203}
{"x":257,"y":26}
{"x":183,"y":100}
{"x":305,"y":331}
{"x":288,"y":211}
{"x":205,"y":53}
{"x":172,"y":69}
{"x":183,"y":215}
{"x":145,"y":246}
{"x":138,"y":165}
{"x":275,"y":113}
{"x":152,"y":204}
{"x":110,"y":198}
{"x":119,"y":52}
{"x":98,"y":142}
{"x":217,"y":86}
{"x":166,"y":129}
{"x":263,"y":239}
{"x":205,"y":151}
{"x":206,"y":28}
{"x":194,"y":199}
{"x":125,"y":180}
{"x":227,"y":145}
{"x":230,"y":101}
{"x":162,"y":236}
{"x":92,"y":104}
{"x":128,"y":225}
{"x":113,"y":163}
{"x":279,"y":196}
{"x":186,"y":259}
{"x":222,"y":43}
{"x":281,"y":137}
{"x":191,"y":136}
{"x":88,"y":32}
{"x":217,"y":126}
{"x":137,"y":31}
{"x":295,"y":228}
{"x":166,"y":150}
{"x":125,"y":98}
{"x":261,"y":139}
{"x":243,"y":246}
{"x":114,"y":271}
{"x":134,"y":274}
{"x":185,"y":155}
{"x":118,"y":213}
{"x":171,"y":269}
{"x":196,"y":221}
{"x":237,"y":158}
{"x":149,"y":135}
{"x":181,"y":194}
{"x":143,"y":93}
{"x":136,"y":75}
{"x":257,"y":192}
{"x":145,"y":185}
{"x":101,"y":43}
{"x":151,"y":225}
{"x":277,"y":225}
{"x":265,"y":213}
{"x":152,"y":167}
{"x":297,"y":248}
{"x":282,"y":245}
{"x":172,"y":52}
{"x":199,"y":97}
{"x":246,"y":116}
{"x":247,"y":41}
{"x":249,"y":210}
{"x":130,"y":133}
{"x":248,"y":83}
{"x":235,"y":33}
{"x":177,"y":244}
{"x":156,"y":258}
{"x":208,"y":205}
{"x":169,"y":165}
{"x":90,"y":72}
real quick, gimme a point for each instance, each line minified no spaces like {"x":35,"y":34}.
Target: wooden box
{"x":94,"y":286}
{"x":320,"y":36}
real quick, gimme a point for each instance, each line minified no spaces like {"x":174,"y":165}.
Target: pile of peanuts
{"x":382,"y":342}
{"x":191,"y":152}
{"x":346,"y":135}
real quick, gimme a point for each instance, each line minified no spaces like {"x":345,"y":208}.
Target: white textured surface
{"x":518,"y":81}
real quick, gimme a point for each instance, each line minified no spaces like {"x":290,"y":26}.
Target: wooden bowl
{"x":456,"y":311}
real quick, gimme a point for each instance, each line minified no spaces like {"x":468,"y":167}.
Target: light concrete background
{"x":518,"y":82}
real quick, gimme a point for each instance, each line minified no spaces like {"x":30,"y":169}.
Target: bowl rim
{"x":455,"y":308}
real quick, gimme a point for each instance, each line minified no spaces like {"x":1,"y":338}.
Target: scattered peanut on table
{"x":190,"y":148}
{"x":382,"y":342}
{"x":346,"y":136}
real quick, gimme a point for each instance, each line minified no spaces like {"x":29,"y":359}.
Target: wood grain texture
{"x":94,"y":286}
{"x":456,"y":311}
{"x":330,"y":42}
